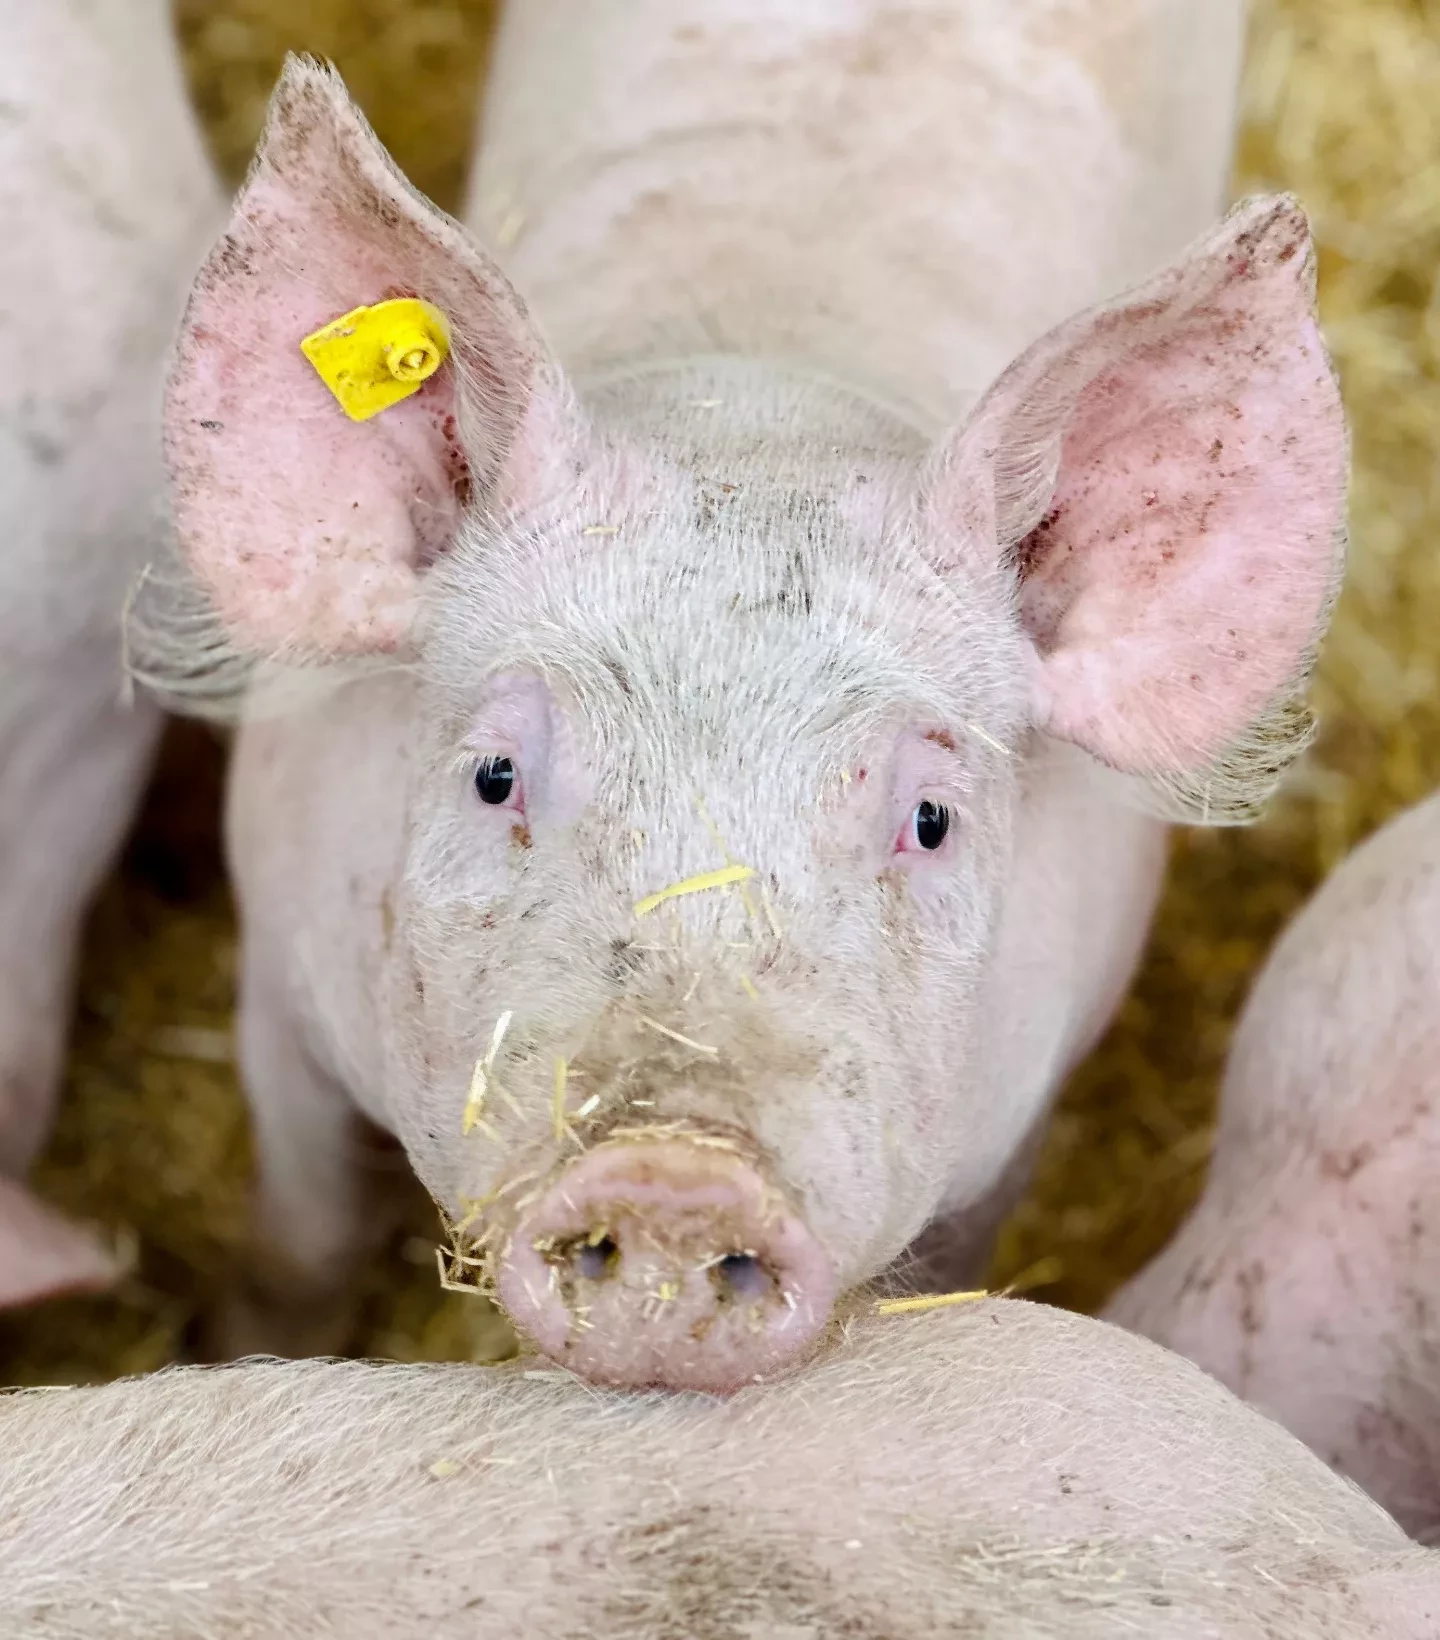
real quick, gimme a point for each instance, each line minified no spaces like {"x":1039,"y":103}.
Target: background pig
{"x":1011,"y":1470}
{"x":757,"y":577}
{"x":107,"y":201}
{"x":1306,"y":1277}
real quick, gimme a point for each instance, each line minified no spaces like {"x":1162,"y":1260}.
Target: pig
{"x":1305,"y":1277}
{"x":703,"y":764}
{"x":109,"y":204}
{"x":1014,"y":1471}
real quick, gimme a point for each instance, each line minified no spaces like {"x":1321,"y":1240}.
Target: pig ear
{"x":1167,"y":476}
{"x":43,"y":1255}
{"x":307,"y":530}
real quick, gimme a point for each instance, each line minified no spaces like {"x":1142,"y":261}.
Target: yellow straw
{"x":694,"y":885}
{"x":936,"y":1301}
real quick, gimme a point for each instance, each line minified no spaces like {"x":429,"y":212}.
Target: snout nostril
{"x":742,"y":1275}
{"x":594,"y":1260}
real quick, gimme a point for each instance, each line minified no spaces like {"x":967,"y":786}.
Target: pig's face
{"x":722,"y":618}
{"x":753,"y":664}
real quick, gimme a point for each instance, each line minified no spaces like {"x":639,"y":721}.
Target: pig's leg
{"x":326,"y":1190}
{"x":329,"y":1179}
{"x":74,"y":761}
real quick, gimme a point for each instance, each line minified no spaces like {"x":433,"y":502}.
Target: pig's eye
{"x":931,"y":821}
{"x":495,"y":780}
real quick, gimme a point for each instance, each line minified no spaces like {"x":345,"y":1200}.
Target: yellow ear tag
{"x":376,"y":356}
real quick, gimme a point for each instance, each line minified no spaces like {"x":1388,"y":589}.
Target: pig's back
{"x":1012,"y":1471}
{"x":905,"y":194}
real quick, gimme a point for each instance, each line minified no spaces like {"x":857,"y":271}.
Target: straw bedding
{"x":1341,"y":106}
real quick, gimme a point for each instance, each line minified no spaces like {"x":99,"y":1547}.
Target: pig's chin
{"x":666,"y":1261}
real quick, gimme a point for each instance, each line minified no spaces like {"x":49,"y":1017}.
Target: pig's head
{"x":725,"y":681}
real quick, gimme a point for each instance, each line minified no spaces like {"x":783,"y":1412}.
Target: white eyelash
{"x":467,"y":761}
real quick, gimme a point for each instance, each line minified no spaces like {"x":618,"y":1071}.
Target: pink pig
{"x":1306,"y":1277}
{"x":1006,"y":1471}
{"x":107,"y":201}
{"x":785,"y":574}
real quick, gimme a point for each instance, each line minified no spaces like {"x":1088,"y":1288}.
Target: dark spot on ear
{"x":1344,"y":1165}
{"x":1250,"y":1279}
{"x":214,"y":427}
{"x":231,"y":259}
{"x":457,"y":463}
{"x":1033,"y":547}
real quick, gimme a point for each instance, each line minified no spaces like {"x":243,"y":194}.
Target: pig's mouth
{"x":663,"y":1257}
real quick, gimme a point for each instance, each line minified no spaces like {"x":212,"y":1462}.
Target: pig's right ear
{"x":308,"y":531}
{"x":1165,"y":478}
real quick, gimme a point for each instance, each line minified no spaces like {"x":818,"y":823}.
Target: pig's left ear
{"x":306,"y":529}
{"x":1166,"y":476}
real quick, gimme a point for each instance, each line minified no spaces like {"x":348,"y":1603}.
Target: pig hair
{"x":179,"y":650}
{"x":903,"y":1486}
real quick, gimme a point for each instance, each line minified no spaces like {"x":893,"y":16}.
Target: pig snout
{"x":670,"y":1264}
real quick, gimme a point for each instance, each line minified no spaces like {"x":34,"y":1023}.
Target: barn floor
{"x":1341,"y":107}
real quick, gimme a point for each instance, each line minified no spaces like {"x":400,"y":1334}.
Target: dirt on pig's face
{"x":718,"y":649}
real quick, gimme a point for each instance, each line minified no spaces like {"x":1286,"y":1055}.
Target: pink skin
{"x":43,"y":1255}
{"x":1305,"y":1278}
{"x":108,"y":201}
{"x":729,"y":1281}
{"x":715,"y":609}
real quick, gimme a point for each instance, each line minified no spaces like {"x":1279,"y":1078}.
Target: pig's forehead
{"x":760,"y":420}
{"x":743,"y":541}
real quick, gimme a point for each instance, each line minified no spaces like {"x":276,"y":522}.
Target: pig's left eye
{"x":926,"y":828}
{"x":496,"y":781}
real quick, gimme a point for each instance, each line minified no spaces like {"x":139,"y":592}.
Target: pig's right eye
{"x":496,"y":781}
